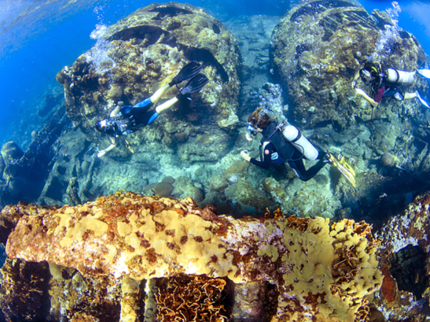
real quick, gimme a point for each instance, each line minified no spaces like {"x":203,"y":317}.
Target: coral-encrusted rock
{"x":144,"y":51}
{"x":405,"y":263}
{"x":318,"y":271}
{"x":316,"y":48}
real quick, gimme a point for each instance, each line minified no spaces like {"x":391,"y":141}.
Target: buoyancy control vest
{"x":119,"y":125}
{"x":272,"y":134}
{"x":287,"y":139}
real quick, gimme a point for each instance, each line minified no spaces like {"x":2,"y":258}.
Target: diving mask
{"x":252,"y":129}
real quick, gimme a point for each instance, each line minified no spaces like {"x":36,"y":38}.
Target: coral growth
{"x":404,"y":259}
{"x":179,"y":300}
{"x":317,"y":271}
{"x":330,"y":40}
{"x":24,"y":290}
{"x":143,"y":52}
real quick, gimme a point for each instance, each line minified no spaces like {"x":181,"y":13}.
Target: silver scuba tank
{"x":400,"y":76}
{"x":302,"y":144}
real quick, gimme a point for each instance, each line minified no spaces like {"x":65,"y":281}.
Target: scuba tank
{"x":399,"y":76}
{"x":302,"y":144}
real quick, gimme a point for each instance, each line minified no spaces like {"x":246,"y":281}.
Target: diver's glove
{"x":245,"y":155}
{"x":248,"y":137}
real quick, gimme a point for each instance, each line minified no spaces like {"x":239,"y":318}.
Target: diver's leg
{"x":424,"y":72}
{"x":160,"y":108}
{"x":147,"y":102}
{"x":417,"y":95}
{"x":158,"y":93}
{"x":166,"y":105}
{"x":300,"y":170}
{"x":410,"y":95}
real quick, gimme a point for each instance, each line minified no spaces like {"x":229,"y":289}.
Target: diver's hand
{"x":244,"y":154}
{"x":101,"y":153}
{"x":248,"y":137}
{"x":354,"y":83}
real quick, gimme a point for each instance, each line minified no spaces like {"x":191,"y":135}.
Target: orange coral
{"x":388,"y":287}
{"x":191,"y":298}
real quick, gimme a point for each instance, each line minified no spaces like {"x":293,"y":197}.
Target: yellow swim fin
{"x":344,"y":168}
{"x":129,"y":146}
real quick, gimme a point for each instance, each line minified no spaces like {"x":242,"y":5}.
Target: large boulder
{"x":142,"y":52}
{"x":316,"y":49}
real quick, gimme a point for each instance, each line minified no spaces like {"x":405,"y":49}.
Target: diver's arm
{"x":356,"y":77}
{"x":359,"y":91}
{"x":110,"y":147}
{"x":117,"y":108}
{"x":268,"y":149}
{"x":266,"y":163}
{"x":115,"y":111}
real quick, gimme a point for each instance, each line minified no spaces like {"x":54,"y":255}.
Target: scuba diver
{"x":284,"y":143}
{"x":384,"y":82}
{"x":125,"y":119}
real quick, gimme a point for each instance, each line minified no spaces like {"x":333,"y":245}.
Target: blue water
{"x":37,"y":39}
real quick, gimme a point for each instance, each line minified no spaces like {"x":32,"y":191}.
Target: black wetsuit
{"x":282,"y":151}
{"x":131,"y":119}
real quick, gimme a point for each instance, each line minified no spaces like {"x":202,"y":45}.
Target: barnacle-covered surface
{"x":316,"y":49}
{"x":174,"y":299}
{"x":405,"y":263}
{"x":144,"y":51}
{"x":24,"y":290}
{"x":317,"y":271}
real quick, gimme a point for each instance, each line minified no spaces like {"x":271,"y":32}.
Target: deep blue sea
{"x":39,"y":37}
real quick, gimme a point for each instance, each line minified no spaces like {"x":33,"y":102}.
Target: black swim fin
{"x":194,"y":85}
{"x":188,"y":71}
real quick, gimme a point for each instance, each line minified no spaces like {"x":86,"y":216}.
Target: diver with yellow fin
{"x":285,"y":144}
{"x":344,"y":168}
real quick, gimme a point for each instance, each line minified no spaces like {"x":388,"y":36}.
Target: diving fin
{"x":188,"y":71}
{"x":422,"y":101}
{"x":194,"y":85}
{"x":344,"y":168}
{"x":424,"y":72}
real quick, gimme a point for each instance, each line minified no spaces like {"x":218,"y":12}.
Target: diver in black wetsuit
{"x":125,"y":119}
{"x":281,"y":144}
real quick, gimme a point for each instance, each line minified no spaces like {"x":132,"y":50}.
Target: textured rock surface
{"x":145,"y":50}
{"x":318,"y":271}
{"x":404,"y":260}
{"x":316,"y":49}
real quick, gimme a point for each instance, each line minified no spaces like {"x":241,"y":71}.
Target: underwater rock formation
{"x":24,"y":173}
{"x":316,"y":49}
{"x":316,"y":271}
{"x":141,"y":53}
{"x":404,"y":262}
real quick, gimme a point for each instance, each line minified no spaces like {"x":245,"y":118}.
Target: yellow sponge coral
{"x":320,"y":272}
